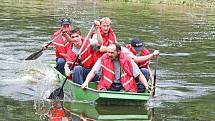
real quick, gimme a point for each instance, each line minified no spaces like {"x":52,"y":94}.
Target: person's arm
{"x":103,"y":48}
{"x":99,"y":36}
{"x":139,"y":59}
{"x":67,"y":70}
{"x":50,"y":42}
{"x":150,"y":73}
{"x":44,"y":45}
{"x":94,"y":43}
{"x":66,"y":35}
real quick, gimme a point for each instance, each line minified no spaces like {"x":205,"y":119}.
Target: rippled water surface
{"x":185,"y":36}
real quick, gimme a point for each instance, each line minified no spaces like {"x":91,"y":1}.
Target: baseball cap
{"x":65,"y":21}
{"x":137,"y":44}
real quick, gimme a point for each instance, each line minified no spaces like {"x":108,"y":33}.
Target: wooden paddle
{"x":37,"y":54}
{"x":154,"y":83}
{"x":58,"y":93}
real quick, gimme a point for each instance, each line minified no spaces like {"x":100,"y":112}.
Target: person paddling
{"x":118,"y":71}
{"x":136,"y":46}
{"x":86,"y":59}
{"x":104,"y":33}
{"x":61,"y":43}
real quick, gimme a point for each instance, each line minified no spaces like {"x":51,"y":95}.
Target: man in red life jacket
{"x":104,"y":33}
{"x":86,"y":58}
{"x":136,"y":46}
{"x":117,"y":71}
{"x":61,"y":43}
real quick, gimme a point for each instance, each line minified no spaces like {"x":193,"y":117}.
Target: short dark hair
{"x":118,"y":47}
{"x":76,"y":30}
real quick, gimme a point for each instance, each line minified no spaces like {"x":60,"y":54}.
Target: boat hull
{"x":92,"y":95}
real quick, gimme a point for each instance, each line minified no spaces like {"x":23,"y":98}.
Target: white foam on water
{"x":175,"y":54}
{"x":6,"y":19}
{"x":18,"y":80}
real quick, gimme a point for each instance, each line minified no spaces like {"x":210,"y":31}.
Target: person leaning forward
{"x":117,"y":71}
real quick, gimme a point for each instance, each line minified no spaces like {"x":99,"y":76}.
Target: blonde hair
{"x":105,"y":19}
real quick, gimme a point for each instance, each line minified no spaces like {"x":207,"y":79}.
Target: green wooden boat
{"x":92,"y":95}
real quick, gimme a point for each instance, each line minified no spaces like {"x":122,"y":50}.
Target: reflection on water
{"x":58,"y":112}
{"x":77,"y":111}
{"x":183,"y":34}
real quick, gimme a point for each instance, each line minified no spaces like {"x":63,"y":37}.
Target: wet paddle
{"x":37,"y":54}
{"x":154,"y":84}
{"x":58,"y":93}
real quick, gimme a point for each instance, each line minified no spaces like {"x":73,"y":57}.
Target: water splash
{"x":31,"y":80}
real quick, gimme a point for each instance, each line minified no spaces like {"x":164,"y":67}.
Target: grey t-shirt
{"x":92,"y":43}
{"x":75,"y":49}
{"x":127,"y":52}
{"x":117,"y":71}
{"x":135,"y":69}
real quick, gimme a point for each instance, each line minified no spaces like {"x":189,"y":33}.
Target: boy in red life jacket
{"x":61,"y":43}
{"x":104,"y":33}
{"x":117,"y":71}
{"x":136,"y":46}
{"x":86,"y":58}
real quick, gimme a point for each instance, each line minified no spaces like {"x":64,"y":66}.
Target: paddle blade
{"x":35,"y":55}
{"x":56,"y":94}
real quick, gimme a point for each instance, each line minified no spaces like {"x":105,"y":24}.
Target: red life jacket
{"x":56,"y":114}
{"x":107,"y":40}
{"x":144,"y":52}
{"x":126,"y":78}
{"x":87,"y":56}
{"x":60,"y":44}
{"x":110,"y":38}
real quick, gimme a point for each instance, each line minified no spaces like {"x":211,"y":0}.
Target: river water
{"x":184,"y":35}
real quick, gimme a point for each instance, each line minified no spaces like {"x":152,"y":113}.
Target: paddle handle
{"x":79,"y":52}
{"x":154,"y":83}
{"x":51,"y":41}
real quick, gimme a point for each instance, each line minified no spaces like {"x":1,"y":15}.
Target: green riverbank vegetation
{"x":208,"y":3}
